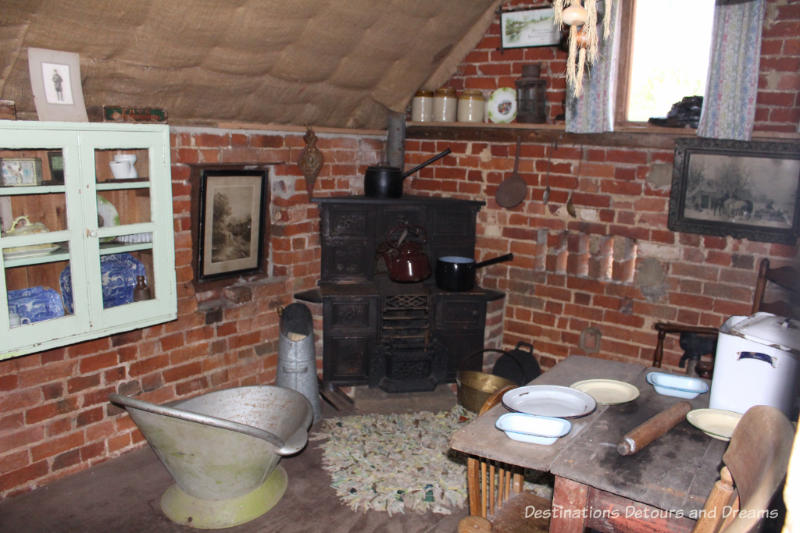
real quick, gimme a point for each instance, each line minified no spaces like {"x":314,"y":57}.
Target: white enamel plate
{"x":716,"y":423}
{"x":549,"y":400}
{"x":607,"y":391}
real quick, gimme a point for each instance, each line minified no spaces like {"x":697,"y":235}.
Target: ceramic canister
{"x":422,"y":106}
{"x":445,"y":105}
{"x":471,"y":106}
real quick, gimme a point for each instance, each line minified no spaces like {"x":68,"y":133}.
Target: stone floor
{"x":122,"y":495}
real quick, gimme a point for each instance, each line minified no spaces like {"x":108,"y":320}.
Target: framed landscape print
{"x":521,"y":28}
{"x":745,"y":189}
{"x":231,"y":222}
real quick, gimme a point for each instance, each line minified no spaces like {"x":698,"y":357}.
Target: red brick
{"x":182,"y":372}
{"x":80,"y":383}
{"x":18,"y":478}
{"x":57,"y":445}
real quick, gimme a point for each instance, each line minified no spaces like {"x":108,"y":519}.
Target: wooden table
{"x":661,"y":488}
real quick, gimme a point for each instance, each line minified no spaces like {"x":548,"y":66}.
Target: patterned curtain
{"x":729,"y":105}
{"x":593,"y":111}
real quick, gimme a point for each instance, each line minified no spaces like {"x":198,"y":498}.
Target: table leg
{"x":570,"y":506}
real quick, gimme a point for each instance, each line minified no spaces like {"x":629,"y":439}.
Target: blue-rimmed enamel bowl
{"x":685,"y":387}
{"x":532,"y":428}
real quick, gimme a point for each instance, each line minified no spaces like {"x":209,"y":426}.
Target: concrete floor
{"x":122,"y":495}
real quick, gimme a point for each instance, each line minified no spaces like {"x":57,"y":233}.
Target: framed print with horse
{"x":745,"y":189}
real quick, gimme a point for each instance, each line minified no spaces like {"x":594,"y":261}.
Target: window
{"x":668,"y":44}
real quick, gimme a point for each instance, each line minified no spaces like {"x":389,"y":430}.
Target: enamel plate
{"x":716,"y":423}
{"x":502,"y":105}
{"x":549,"y":400}
{"x":607,"y":391}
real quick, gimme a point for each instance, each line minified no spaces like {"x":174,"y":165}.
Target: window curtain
{"x":593,"y":110}
{"x":729,"y":105}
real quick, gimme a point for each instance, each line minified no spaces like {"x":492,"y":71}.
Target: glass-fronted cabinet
{"x":87,"y":232}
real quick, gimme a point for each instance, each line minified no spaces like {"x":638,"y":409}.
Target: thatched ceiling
{"x":337,"y":63}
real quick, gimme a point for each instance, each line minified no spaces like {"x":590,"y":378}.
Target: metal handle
{"x":758,"y":356}
{"x":91,"y":233}
{"x":426,"y":163}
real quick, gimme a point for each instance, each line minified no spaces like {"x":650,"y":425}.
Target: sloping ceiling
{"x":336,"y":63}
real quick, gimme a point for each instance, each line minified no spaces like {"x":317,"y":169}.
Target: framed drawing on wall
{"x":231,"y":223}
{"x":745,"y":189}
{"x":56,"y":85}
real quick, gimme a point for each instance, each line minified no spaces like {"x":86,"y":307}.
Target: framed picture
{"x":231,"y":222}
{"x":528,"y":27}
{"x":21,"y":172}
{"x":56,"y":84}
{"x":748,"y":190}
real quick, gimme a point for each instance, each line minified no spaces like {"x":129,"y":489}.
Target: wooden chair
{"x":755,"y":463}
{"x":497,"y":501}
{"x":783,"y":288}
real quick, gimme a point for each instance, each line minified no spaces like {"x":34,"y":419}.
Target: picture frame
{"x":21,"y":172}
{"x":231,"y":213}
{"x":56,"y":85}
{"x":745,"y":189}
{"x":522,"y":28}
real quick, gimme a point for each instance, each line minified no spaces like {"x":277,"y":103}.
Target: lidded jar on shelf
{"x":471,"y":106}
{"x":445,"y":105}
{"x":422,"y":106}
{"x":531,"y":95}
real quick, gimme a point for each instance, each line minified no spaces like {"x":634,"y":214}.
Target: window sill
{"x":629,"y":135}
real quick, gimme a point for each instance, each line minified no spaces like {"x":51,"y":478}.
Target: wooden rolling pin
{"x":652,"y":428}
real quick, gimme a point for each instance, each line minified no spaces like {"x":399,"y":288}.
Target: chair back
{"x":755,"y":465}
{"x":776,"y":289}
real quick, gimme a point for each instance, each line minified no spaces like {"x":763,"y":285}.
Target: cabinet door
{"x":41,"y":222}
{"x":129,"y":232}
{"x":349,"y":338}
{"x":459,"y":326}
{"x":75,"y":238}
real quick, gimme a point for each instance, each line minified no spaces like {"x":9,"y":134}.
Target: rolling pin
{"x":652,"y":428}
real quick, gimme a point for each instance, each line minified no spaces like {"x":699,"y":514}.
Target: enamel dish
{"x":679,"y":386}
{"x":716,"y":423}
{"x":502,"y":105}
{"x":533,"y":429}
{"x":549,"y":400}
{"x":607,"y":391}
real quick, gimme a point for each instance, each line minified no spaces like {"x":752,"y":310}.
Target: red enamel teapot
{"x":404,"y":254}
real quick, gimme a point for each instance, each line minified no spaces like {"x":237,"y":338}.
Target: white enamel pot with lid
{"x":757,"y":363}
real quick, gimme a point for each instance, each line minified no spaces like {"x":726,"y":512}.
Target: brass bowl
{"x":474,"y":388}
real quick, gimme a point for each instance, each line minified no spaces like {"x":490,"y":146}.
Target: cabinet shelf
{"x":34,"y":189}
{"x":628,"y":136}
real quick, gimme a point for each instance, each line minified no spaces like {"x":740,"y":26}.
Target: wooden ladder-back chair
{"x":776,"y":298}
{"x":495,"y":491}
{"x":755,"y":464}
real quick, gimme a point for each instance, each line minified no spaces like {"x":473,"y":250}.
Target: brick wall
{"x":614,"y":266}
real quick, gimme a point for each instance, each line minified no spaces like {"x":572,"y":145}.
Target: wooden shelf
{"x":627,"y":136}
